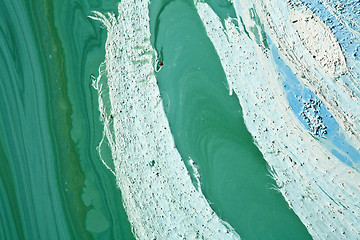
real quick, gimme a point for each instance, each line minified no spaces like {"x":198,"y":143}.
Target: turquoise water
{"x":52,"y":183}
{"x":208,"y":127}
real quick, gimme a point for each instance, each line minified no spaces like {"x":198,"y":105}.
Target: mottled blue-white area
{"x":298,"y":95}
{"x":343,"y":18}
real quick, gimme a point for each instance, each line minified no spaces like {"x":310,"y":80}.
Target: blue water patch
{"x":342,"y":157}
{"x":298,"y":95}
{"x":340,"y":142}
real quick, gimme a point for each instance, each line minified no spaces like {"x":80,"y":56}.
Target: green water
{"x":52,"y":184}
{"x":208,"y":127}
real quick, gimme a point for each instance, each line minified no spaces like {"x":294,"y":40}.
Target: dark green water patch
{"x":222,"y":8}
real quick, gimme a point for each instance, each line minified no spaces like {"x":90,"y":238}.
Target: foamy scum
{"x":323,"y":191}
{"x":158,"y":194}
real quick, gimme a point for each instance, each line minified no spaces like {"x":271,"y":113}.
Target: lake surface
{"x":52,"y":182}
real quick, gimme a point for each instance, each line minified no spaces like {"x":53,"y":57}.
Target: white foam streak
{"x":323,"y":191}
{"x":158,"y":195}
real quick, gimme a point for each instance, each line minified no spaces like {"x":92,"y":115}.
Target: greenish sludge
{"x":84,"y":48}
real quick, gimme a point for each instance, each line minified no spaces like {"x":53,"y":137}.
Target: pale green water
{"x":52,"y":184}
